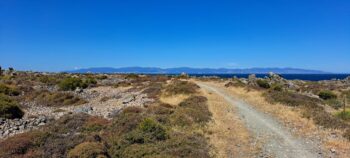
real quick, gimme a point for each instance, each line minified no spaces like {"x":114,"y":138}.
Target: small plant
{"x":71,"y":84}
{"x":153,"y":129}
{"x":181,"y":87}
{"x":90,"y":81}
{"x":263,"y":84}
{"x":88,"y":150}
{"x":132,"y":76}
{"x":56,"y":99}
{"x":277,"y":87}
{"x":345,"y":115}
{"x":49,"y":80}
{"x":9,"y":90}
{"x":95,"y":124}
{"x":326,"y":95}
{"x":9,"y":108}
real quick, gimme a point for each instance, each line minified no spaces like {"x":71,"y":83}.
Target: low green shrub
{"x":49,"y":80}
{"x":263,"y":83}
{"x":9,"y":108}
{"x":326,"y":95}
{"x":90,"y":81}
{"x":71,"y":84}
{"x":155,"y":130}
{"x":335,"y":103}
{"x":345,"y":115}
{"x":9,"y":90}
{"x":277,"y":87}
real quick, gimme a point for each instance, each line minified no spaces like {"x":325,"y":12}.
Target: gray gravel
{"x":277,"y":139}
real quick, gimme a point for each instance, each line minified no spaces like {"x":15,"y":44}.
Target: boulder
{"x":252,"y":80}
{"x":85,"y":109}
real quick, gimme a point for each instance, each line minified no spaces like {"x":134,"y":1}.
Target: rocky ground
{"x":103,"y":101}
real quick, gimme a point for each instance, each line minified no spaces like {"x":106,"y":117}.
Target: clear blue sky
{"x":54,"y":35}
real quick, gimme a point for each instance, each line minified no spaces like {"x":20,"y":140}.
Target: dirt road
{"x":277,"y":140}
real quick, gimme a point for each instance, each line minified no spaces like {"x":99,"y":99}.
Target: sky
{"x":56,"y":35}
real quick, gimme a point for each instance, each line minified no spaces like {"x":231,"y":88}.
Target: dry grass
{"x":173,"y":100}
{"x":227,"y":132}
{"x":293,"y":118}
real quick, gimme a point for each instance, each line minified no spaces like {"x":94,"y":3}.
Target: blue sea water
{"x":309,"y":77}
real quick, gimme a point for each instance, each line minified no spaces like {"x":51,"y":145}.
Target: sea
{"x":308,"y":77}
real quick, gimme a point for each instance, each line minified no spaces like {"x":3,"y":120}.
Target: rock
{"x":128,"y":99}
{"x":41,"y":124}
{"x":79,"y":90}
{"x":86,"y":109}
{"x":333,"y":150}
{"x":252,"y":80}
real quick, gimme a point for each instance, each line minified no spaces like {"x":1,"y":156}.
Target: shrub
{"x":95,"y":124}
{"x":131,"y":76}
{"x":309,"y":105}
{"x":335,"y":103}
{"x":49,"y":80}
{"x":277,"y":87}
{"x":56,"y":99}
{"x":20,"y":144}
{"x":325,"y":95}
{"x":347,"y":134}
{"x":9,"y":90}
{"x":90,"y":81}
{"x":263,"y":83}
{"x":126,"y":122}
{"x":153,"y":129}
{"x":71,"y":84}
{"x":345,"y":115}
{"x":190,"y":111}
{"x":88,"y":150}
{"x":9,"y":108}
{"x":290,"y":98}
{"x":235,"y":83}
{"x":181,"y":87}
{"x":153,"y":90}
{"x":122,"y":84}
{"x":102,"y":77}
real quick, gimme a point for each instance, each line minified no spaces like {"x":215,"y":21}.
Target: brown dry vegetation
{"x":55,"y":99}
{"x":156,"y":131}
{"x":177,"y":87}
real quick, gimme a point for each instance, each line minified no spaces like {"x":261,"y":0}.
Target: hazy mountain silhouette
{"x":188,"y":70}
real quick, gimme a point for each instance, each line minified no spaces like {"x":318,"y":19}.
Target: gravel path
{"x":277,"y":140}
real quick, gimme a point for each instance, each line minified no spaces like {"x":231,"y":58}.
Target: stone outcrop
{"x":10,"y":127}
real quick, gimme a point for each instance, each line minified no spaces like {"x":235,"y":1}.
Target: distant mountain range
{"x":188,"y":70}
